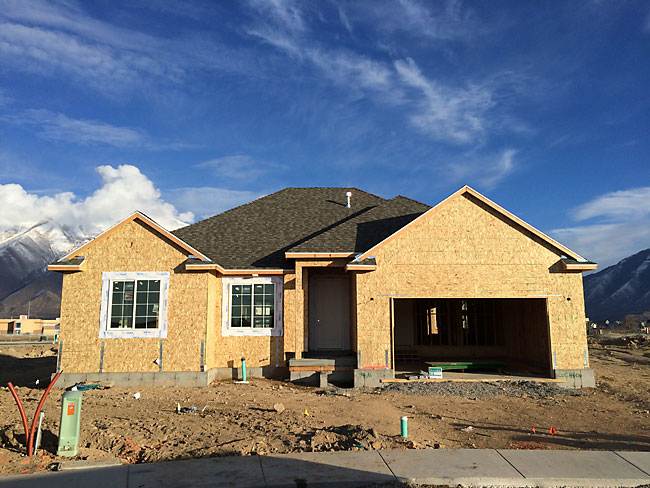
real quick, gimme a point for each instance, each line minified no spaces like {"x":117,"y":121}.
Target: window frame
{"x":276,"y":330}
{"x":108,"y":278}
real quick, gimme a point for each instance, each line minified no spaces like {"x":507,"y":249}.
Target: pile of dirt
{"x":346,"y":438}
{"x":630,"y":341}
{"x":473,"y":390}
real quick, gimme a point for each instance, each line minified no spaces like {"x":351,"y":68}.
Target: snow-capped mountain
{"x":24,"y":256}
{"x":620,"y":289}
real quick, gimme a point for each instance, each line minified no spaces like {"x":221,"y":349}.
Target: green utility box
{"x":70,"y":424}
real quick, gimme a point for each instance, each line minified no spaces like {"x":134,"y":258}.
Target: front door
{"x":329,"y":313}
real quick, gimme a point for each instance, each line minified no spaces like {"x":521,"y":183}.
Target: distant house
{"x":329,"y":281}
{"x":24,"y":325}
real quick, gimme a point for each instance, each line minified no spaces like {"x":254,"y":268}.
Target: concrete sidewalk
{"x":475,"y":467}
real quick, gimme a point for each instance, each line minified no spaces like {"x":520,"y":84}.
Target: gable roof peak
{"x":145,"y":220}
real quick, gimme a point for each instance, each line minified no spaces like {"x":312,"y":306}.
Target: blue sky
{"x":186,"y":108}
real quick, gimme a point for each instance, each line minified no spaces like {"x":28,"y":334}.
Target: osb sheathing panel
{"x":132,"y":247}
{"x":213,"y":319}
{"x":259,"y":351}
{"x":463,"y":249}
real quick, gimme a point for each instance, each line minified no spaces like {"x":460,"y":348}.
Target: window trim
{"x":105,"y":332}
{"x":276,"y":330}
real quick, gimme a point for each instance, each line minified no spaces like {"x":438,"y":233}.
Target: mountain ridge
{"x":621,"y":289}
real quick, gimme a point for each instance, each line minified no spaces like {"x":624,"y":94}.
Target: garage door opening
{"x":499,"y":334}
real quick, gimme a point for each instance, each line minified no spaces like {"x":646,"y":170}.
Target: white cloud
{"x":240,"y":167}
{"x":618,"y":205}
{"x":209,"y":201}
{"x":454,"y":114}
{"x":124,"y":190}
{"x":621,"y":226}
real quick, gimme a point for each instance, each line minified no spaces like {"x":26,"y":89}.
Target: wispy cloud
{"x":458,"y":115}
{"x":286,"y":13}
{"x":240,"y":167}
{"x":55,"y":126}
{"x":620,"y":226}
{"x":4,"y":99}
{"x":345,"y":20}
{"x":208,"y":201}
{"x":50,"y":38}
{"x":284,"y":27}
{"x":461,"y":114}
{"x":58,"y":127}
{"x":445,"y":20}
{"x":44,"y":51}
{"x":485,"y":172}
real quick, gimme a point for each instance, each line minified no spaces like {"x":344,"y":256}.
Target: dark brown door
{"x":329,"y":313}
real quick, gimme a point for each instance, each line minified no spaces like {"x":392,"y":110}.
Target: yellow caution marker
{"x":306,"y":412}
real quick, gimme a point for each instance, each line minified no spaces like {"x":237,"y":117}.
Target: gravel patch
{"x":482,"y":389}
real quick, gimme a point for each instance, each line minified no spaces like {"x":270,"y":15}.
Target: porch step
{"x":317,"y":371}
{"x":323,"y":364}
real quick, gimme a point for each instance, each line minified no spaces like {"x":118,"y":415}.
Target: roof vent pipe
{"x":348,"y":194}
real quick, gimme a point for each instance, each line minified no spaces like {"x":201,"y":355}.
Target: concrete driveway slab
{"x":572,"y":464}
{"x":325,"y":469}
{"x":640,"y":459}
{"x":112,"y":477}
{"x":224,"y":472}
{"x":440,"y":466}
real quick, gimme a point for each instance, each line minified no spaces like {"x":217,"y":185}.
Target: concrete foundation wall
{"x":169,"y":378}
{"x":576,"y":378}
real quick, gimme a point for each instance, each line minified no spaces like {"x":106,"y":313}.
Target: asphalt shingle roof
{"x":259,"y":233}
{"x":362,"y":232}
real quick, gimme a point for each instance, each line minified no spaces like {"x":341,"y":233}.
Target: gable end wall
{"x":132,"y":247}
{"x":464,"y":249}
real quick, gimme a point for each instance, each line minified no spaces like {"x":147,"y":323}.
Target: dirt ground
{"x":277,"y":417}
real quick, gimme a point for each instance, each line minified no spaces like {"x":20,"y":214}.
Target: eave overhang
{"x":368,"y":264}
{"x":319,"y":255}
{"x":210,"y":266}
{"x":68,"y":265}
{"x":575,"y":265}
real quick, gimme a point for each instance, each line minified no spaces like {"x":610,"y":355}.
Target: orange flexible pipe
{"x":30,"y":445}
{"x":22,"y":413}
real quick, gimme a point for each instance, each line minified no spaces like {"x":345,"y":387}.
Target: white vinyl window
{"x":134,"y":305}
{"x":252,"y":306}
